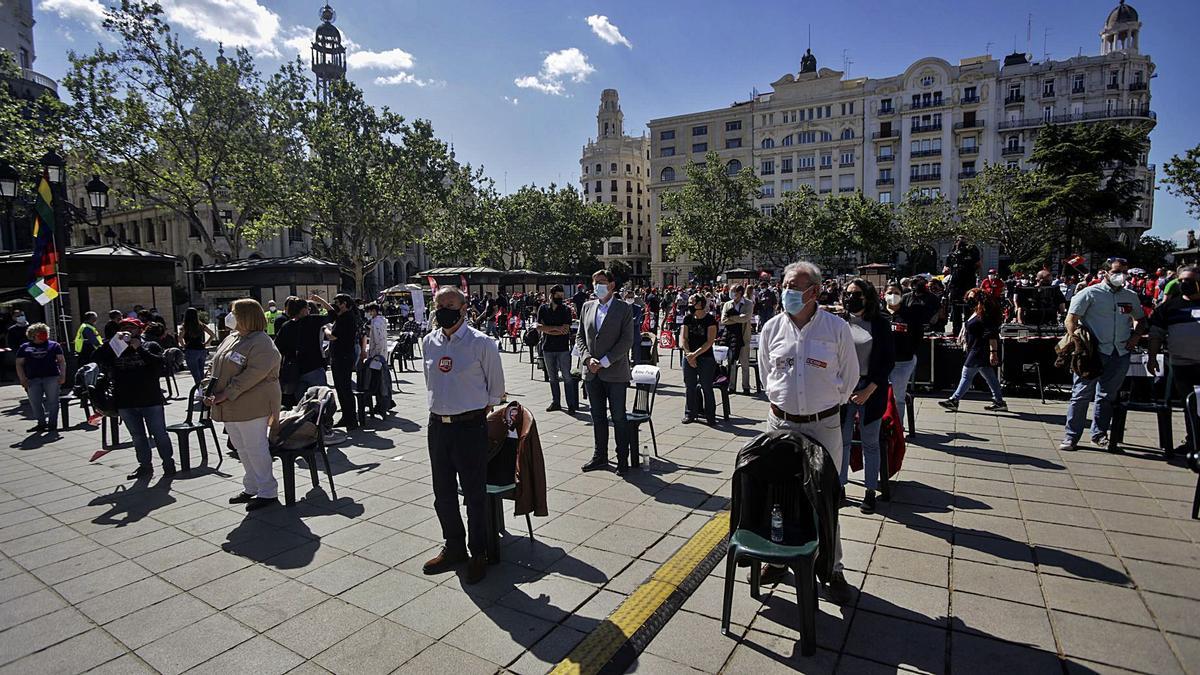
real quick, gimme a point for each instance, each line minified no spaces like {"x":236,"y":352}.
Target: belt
{"x":804,"y":419}
{"x":469,"y":416}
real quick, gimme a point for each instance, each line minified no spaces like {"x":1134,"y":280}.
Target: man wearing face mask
{"x":962,"y":264}
{"x":735,"y":316}
{"x":1177,"y":321}
{"x":16,"y":332}
{"x":1113,"y":314}
{"x":606,"y":334}
{"x":809,"y":367}
{"x":465,"y":380}
{"x":554,"y":323}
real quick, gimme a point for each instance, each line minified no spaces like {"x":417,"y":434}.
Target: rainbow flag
{"x":43,"y":267}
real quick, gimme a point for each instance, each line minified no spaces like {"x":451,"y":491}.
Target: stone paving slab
{"x":997,"y":553}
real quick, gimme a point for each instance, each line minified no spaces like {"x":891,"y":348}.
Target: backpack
{"x":532,"y":337}
{"x":297,"y":427}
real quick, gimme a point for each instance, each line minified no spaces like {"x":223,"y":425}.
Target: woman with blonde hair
{"x":243,"y":391}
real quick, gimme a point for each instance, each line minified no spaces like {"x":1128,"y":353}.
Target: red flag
{"x":432,"y":283}
{"x":1075,"y":260}
{"x":646,"y":322}
{"x":666,"y":339}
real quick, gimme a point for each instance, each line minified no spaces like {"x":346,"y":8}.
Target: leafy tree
{"x":554,"y":230}
{"x":868,"y":224}
{"x":783,"y":236}
{"x":1182,"y":178}
{"x":1151,"y":252}
{"x":173,"y":130}
{"x":465,"y":229}
{"x":920,"y":221}
{"x":999,"y":206}
{"x":367,"y":194}
{"x":712,"y":217}
{"x":1087,"y":176}
{"x":29,"y":128}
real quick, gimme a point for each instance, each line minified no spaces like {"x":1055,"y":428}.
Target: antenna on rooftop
{"x":846,"y":61}
{"x":810,"y":36}
{"x":1029,"y":34}
{"x":987,"y":49}
{"x":1045,"y":44}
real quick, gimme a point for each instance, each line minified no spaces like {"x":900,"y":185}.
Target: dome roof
{"x":1122,"y":13}
{"x":328,"y":30}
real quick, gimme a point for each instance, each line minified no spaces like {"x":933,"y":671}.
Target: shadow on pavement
{"x":129,"y":505}
{"x":278,"y":536}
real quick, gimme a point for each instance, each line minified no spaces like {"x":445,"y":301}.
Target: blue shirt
{"x":40,"y":360}
{"x":462,"y":372}
{"x":1109,"y":314}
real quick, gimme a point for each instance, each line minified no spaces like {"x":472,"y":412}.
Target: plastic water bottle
{"x":776,"y":524}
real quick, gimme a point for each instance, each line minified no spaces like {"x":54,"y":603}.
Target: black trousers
{"x":458,"y":455}
{"x":342,"y":368}
{"x":608,"y":398}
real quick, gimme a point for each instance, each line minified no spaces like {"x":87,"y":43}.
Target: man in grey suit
{"x":605,"y":337}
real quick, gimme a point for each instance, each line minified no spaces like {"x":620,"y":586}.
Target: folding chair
{"x":723,"y":378}
{"x":645,"y":383}
{"x":288,"y":456}
{"x":501,"y":485}
{"x":1193,"y":457}
{"x":202,"y":421}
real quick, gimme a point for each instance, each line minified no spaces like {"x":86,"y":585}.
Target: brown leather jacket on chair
{"x":530,"y":471}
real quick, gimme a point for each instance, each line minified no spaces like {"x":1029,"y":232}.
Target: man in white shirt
{"x":809,"y":368}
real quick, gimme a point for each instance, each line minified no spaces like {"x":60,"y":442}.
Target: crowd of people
{"x":829,"y":351}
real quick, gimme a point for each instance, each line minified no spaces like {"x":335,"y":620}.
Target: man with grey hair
{"x":809,"y":367}
{"x":464,"y":378}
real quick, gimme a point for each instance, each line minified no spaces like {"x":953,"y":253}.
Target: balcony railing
{"x":1141,"y":112}
{"x":973,"y":124}
{"x":1047,"y":93}
{"x":935,"y":152}
{"x":885,"y":181}
{"x":1078,"y":90}
{"x":922,"y":105}
{"x":969,"y":99}
{"x":1014,"y":98}
{"x":847,"y":189}
{"x":1138,"y":86}
{"x":845,"y":165}
{"x":969,"y":150}
{"x":1013,"y":150}
{"x":967,"y":174}
{"x":924,"y":177}
{"x":885,"y":111}
{"x":39,"y":79}
{"x":922,"y":128}
{"x":804,"y":169}
{"x":1112,"y":86}
{"x":891,"y":133}
{"x":885,"y":158}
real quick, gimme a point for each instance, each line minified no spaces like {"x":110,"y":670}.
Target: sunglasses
{"x":852,"y":294}
{"x":1119,"y":260}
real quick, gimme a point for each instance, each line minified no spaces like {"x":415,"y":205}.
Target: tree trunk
{"x":358,"y":277}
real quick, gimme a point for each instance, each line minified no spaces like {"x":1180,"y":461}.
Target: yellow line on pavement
{"x":599,"y":647}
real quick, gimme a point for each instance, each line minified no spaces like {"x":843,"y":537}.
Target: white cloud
{"x":392,"y":59}
{"x":607,"y":30}
{"x":407,"y":78}
{"x":512,"y":99}
{"x":564,"y":64}
{"x":90,"y":12}
{"x":237,"y":23}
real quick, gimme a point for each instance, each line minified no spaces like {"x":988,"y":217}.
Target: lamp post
{"x":9,"y":179}
{"x":56,"y":173}
{"x":98,"y":196}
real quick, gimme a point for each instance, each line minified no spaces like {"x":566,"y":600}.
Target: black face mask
{"x":447,"y":317}
{"x":556,"y":300}
{"x":854,"y":304}
{"x":698,"y":308}
{"x":1189,"y":286}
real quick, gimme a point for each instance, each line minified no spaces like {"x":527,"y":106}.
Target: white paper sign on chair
{"x":645,"y":374}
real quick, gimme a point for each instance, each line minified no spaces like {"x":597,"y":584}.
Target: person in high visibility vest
{"x":87,"y":338}
{"x":272,"y":315}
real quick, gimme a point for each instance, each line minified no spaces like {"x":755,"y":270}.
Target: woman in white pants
{"x":243,"y":391}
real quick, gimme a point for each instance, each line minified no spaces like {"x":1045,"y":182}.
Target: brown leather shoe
{"x":476,"y":570}
{"x":444,"y":561}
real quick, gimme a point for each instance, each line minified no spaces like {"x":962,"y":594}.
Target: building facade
{"x":16,"y":38}
{"x":929,"y":129}
{"x":614,"y":170}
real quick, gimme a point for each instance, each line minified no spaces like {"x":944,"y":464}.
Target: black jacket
{"x":787,"y":459}
{"x":134,"y":374}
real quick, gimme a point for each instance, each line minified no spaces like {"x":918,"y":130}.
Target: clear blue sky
{"x":458,"y":62}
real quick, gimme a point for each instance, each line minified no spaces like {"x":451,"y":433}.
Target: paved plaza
{"x":997,"y":554}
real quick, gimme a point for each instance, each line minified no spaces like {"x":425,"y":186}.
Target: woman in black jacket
{"x":876,"y":357}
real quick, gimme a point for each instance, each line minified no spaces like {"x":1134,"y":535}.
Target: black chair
{"x":197,"y":421}
{"x":911,"y":412}
{"x":1141,"y":393}
{"x":643,"y":412}
{"x":171,"y":359}
{"x":501,"y":485}
{"x":775,"y":480}
{"x":536,"y":362}
{"x":309,"y":452}
{"x":64,"y":408}
{"x":1193,"y":456}
{"x":723,"y":378}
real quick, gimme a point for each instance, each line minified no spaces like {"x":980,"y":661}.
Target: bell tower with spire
{"x":610,"y":121}
{"x":328,"y":53}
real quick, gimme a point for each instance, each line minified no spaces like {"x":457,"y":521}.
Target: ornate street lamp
{"x":98,"y":196}
{"x":56,"y":166}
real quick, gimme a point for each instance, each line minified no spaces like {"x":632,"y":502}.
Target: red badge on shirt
{"x":818,"y":364}
{"x":445,"y":364}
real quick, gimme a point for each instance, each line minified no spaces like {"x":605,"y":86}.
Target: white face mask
{"x":892,"y":298}
{"x":601,"y":292}
{"x":230,"y":321}
{"x":1117,"y":280}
